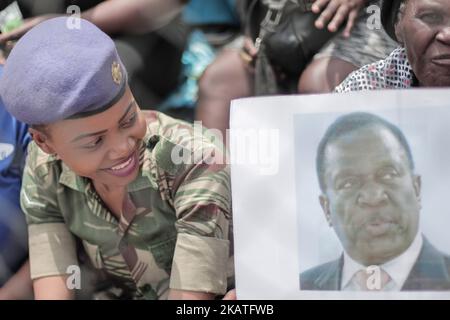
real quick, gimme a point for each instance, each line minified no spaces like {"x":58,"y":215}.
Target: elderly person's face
{"x":424,"y":30}
{"x":372,"y":199}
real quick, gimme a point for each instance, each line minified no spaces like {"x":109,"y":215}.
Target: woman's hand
{"x":231,"y":295}
{"x":335,"y":12}
{"x":52,"y":288}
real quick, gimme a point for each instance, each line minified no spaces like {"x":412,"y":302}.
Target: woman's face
{"x":424,"y":30}
{"x":103,"y":147}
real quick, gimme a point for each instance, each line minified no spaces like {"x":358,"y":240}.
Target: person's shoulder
{"x":316,"y":271}
{"x":435,"y":263}
{"x":375,"y":76}
{"x":40,"y":163}
{"x":40,"y":182}
{"x":309,"y":278}
{"x":445,"y":258}
{"x":164,"y":136}
{"x":166,"y":127}
{"x":365,"y":78}
{"x":431,"y":254}
{"x":176,"y":143}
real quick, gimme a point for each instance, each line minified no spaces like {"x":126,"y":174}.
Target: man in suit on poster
{"x":371,"y":198}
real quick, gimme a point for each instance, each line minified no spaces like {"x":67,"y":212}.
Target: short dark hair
{"x":350,"y":123}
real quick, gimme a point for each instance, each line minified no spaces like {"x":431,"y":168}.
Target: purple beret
{"x":57,"y":71}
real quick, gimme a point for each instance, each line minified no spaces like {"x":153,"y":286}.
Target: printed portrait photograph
{"x":371,"y":193}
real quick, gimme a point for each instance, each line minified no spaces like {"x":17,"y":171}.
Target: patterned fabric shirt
{"x":176,"y":234}
{"x":394,"y":72}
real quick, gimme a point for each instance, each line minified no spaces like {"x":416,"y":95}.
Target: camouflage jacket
{"x":177,"y":237}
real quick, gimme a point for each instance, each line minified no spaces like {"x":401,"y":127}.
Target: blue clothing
{"x":196,"y":58}
{"x":199,"y":54}
{"x":14,"y":140}
{"x":202,"y":12}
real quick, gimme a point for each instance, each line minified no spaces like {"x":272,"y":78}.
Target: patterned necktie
{"x":372,"y":279}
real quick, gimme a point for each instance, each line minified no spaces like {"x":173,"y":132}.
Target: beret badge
{"x":116,"y":72}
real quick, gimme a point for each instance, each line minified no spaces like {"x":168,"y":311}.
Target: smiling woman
{"x":101,"y":172}
{"x":103,"y":147}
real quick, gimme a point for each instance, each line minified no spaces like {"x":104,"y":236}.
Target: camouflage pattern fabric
{"x":174,"y":232}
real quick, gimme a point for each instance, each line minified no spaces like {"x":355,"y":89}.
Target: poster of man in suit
{"x":355,"y":204}
{"x":371,"y":198}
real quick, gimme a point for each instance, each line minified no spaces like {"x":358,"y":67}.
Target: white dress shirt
{"x":398,"y":268}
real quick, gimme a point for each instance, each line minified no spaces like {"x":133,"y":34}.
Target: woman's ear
{"x":42,"y":140}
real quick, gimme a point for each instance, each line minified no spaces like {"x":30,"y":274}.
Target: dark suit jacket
{"x":431,"y":272}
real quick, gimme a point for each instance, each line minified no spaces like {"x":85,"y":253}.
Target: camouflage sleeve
{"x":51,"y":245}
{"x":201,"y":195}
{"x":202,"y":208}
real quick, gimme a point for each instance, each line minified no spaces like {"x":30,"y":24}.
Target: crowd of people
{"x":91,"y":115}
